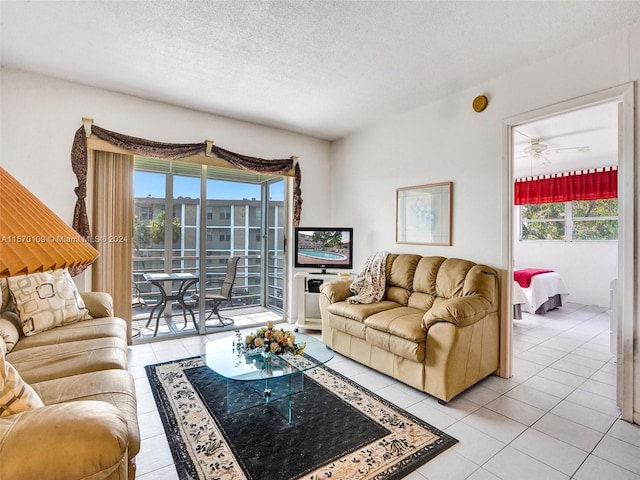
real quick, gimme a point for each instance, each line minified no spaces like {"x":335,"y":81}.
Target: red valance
{"x":565,"y":187}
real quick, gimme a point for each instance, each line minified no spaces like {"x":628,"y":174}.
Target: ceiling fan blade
{"x":581,"y":149}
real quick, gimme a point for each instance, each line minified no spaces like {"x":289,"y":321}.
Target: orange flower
{"x":259,"y":342}
{"x":275,"y":347}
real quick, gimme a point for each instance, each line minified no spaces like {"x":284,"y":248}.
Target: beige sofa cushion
{"x":451,"y":277}
{"x":461,"y":311}
{"x":424,"y":280}
{"x":398,"y":331}
{"x":403,"y":322}
{"x":115,"y":387}
{"x":75,"y":440}
{"x":45,"y":300}
{"x":414,"y":351}
{"x":99,"y":304}
{"x":483,"y":280}
{"x":400,"y":271}
{"x":357,"y":311}
{"x":346,"y":325}
{"x":109,"y":327}
{"x":47,"y":362}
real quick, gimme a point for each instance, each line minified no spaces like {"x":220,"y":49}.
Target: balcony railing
{"x":248,"y":288}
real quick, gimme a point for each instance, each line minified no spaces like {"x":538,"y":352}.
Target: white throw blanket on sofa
{"x":369,"y":285}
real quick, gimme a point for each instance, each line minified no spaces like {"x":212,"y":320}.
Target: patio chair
{"x":136,"y":297}
{"x":224,"y":295}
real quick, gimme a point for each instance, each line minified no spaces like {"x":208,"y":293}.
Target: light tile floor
{"x":556,"y":418}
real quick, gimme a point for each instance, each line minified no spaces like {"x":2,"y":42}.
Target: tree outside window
{"x":570,"y":221}
{"x":543,"y":221}
{"x":595,"y":219}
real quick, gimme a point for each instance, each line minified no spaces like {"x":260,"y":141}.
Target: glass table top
{"x":226,"y":357}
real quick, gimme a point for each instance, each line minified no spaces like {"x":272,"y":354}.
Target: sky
{"x":153,"y":184}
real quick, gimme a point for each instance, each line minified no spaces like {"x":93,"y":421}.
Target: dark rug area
{"x":339,"y":430}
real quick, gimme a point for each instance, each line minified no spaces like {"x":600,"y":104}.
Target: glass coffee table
{"x":254,"y":378}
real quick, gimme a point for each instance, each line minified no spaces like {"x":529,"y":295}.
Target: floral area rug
{"x":339,"y":430}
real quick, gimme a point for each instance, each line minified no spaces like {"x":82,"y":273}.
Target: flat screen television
{"x":323,"y":248}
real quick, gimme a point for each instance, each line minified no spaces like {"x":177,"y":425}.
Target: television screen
{"x":323,"y":248}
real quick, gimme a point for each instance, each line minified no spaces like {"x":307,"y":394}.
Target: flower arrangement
{"x":270,"y":340}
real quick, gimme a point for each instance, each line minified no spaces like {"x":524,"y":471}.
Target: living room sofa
{"x":78,"y":419}
{"x":436,"y":328}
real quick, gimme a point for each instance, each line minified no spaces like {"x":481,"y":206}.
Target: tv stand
{"x":308,"y":306}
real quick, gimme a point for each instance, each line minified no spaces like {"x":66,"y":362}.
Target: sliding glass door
{"x":243,"y":215}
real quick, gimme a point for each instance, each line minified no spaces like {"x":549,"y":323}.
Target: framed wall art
{"x":423,"y":214}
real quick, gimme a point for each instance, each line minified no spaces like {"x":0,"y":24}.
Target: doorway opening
{"x":574,"y":238}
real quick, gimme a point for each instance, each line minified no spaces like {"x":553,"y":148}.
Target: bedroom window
{"x":543,"y":221}
{"x":577,"y":220}
{"x":594,"y":219}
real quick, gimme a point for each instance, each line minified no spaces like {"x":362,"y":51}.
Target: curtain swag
{"x":168,"y":151}
{"x":565,"y":187}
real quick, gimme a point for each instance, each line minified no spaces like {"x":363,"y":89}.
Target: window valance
{"x":169,"y":151}
{"x":568,"y":186}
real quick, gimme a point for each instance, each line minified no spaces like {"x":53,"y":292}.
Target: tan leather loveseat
{"x":82,"y":421}
{"x":436,"y":328}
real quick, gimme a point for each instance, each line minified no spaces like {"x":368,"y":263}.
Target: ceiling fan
{"x":539,"y":151}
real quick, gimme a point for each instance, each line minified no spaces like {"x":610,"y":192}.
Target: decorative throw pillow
{"x":15,"y":395}
{"x":46,"y":300}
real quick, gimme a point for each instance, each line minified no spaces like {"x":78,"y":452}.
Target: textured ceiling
{"x":322,"y":68}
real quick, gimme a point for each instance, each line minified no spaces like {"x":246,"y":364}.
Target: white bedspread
{"x":543,"y":287}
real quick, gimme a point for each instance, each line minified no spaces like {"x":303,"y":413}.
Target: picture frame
{"x":423,"y":214}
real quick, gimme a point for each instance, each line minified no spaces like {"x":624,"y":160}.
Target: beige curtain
{"x":112,"y":205}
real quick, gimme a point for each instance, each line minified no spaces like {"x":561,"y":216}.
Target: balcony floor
{"x":244,"y":317}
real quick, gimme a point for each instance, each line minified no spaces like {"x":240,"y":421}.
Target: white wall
{"x":445,"y":141}
{"x":587,"y":268}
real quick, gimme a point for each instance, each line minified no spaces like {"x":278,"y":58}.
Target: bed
{"x":545,"y":292}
